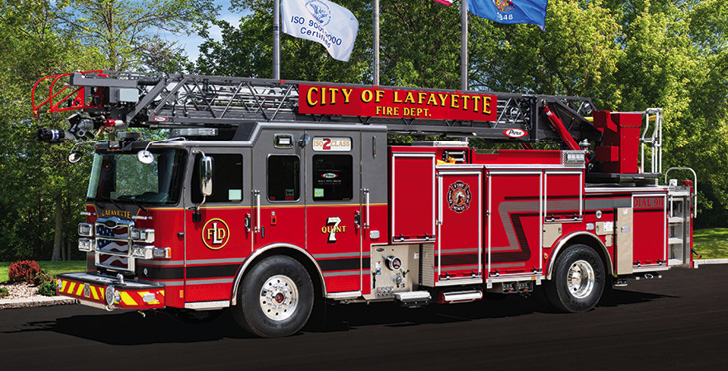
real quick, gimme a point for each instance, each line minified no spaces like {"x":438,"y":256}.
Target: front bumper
{"x":110,"y":293}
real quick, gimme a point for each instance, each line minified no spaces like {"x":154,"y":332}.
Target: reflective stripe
{"x":127,"y":299}
{"x":70,"y":287}
{"x":93,"y":293}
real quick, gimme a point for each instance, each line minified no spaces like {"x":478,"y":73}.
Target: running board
{"x":462,"y":296}
{"x":413,"y":298}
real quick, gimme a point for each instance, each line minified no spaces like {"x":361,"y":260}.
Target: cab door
{"x":278,"y":200}
{"x":216,"y":237}
{"x":333,"y":207}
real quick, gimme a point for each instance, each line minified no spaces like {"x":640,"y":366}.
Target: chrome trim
{"x":252,"y":257}
{"x":343,"y":295}
{"x":208,"y":282}
{"x":340,"y":255}
{"x":208,"y":305}
{"x":650,"y":268}
{"x":457,"y":282}
{"x":626,"y":189}
{"x":567,"y":238}
{"x":349,"y":273}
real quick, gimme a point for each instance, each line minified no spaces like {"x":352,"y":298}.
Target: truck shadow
{"x":131,"y":328}
{"x":347,"y":317}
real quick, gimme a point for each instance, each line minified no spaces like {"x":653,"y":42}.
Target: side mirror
{"x":206,"y":172}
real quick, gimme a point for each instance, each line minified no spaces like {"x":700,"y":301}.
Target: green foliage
{"x":47,"y":289}
{"x":4,"y":292}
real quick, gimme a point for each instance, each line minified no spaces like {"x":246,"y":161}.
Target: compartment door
{"x":460,"y":225}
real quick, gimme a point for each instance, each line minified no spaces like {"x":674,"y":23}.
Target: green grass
{"x":712,"y":243}
{"x":52,"y":268}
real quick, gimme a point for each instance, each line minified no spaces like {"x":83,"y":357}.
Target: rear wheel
{"x":275,"y":298}
{"x":578,"y":280}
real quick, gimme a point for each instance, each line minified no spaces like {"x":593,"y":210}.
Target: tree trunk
{"x":64,"y":254}
{"x":58,"y":237}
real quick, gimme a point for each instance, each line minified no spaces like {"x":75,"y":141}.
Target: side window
{"x":227,"y":180}
{"x":284,"y":178}
{"x":332,"y":177}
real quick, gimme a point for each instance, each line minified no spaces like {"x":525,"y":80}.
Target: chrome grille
{"x":113,"y":244}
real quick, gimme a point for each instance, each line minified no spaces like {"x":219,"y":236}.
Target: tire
{"x":275,"y":298}
{"x":577,"y":281}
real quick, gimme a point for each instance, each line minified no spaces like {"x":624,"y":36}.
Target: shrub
{"x":23,"y":271}
{"x":47,"y":289}
{"x":42,"y":277}
{"x":4,"y":292}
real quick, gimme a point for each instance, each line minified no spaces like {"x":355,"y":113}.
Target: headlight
{"x":150,"y":252}
{"x":142,"y":252}
{"x":142,"y":235}
{"x":85,"y":230}
{"x":85,"y":244}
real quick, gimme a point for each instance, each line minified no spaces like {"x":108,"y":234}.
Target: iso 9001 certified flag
{"x":327,"y":23}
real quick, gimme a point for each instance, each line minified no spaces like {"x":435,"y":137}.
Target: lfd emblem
{"x":459,"y":196}
{"x":215,"y":234}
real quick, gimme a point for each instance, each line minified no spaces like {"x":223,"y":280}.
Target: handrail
{"x":695,"y":185}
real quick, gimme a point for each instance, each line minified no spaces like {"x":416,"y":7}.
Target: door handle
{"x":247,"y":222}
{"x":366,"y":199}
{"x":256,"y":194}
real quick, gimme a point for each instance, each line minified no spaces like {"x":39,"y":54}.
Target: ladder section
{"x":122,"y":100}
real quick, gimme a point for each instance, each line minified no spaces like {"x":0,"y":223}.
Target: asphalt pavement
{"x":677,"y":322}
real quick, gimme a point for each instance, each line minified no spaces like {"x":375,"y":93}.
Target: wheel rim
{"x":580,"y":279}
{"x":278,"y":297}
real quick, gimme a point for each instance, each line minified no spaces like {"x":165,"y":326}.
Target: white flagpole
{"x":464,"y":46}
{"x":276,"y":40}
{"x":376,"y":42}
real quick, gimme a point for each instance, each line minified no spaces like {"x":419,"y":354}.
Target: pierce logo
{"x":215,"y":234}
{"x":515,"y":133}
{"x":459,"y":196}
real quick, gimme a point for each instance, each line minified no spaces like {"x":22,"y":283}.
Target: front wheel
{"x":577,"y":281}
{"x":275,"y":298}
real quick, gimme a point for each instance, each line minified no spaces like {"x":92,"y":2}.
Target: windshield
{"x":120,"y":177}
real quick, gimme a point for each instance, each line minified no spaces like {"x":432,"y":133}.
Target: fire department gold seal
{"x":215,"y":234}
{"x":459,"y":196}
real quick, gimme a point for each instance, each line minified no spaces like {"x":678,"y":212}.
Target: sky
{"x":191,"y":43}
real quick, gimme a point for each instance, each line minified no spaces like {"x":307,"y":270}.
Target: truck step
{"x":413,"y":298}
{"x":462,"y":296}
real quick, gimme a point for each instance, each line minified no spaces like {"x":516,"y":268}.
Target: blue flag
{"x":511,"y":11}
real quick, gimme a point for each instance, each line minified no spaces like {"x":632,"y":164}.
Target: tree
{"x":130,"y":34}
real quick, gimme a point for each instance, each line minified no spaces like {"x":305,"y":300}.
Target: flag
{"x":322,"y":21}
{"x":446,"y":2}
{"x":511,"y":11}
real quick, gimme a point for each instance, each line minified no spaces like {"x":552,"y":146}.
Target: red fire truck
{"x":266,"y":197}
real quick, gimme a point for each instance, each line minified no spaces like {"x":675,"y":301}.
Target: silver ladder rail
{"x":168,"y":101}
{"x":654,"y":140}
